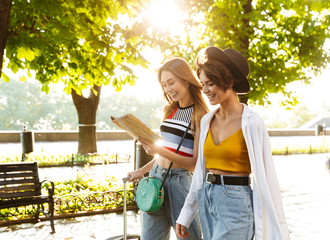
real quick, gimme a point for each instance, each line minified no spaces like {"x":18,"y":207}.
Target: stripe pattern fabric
{"x":173,"y":128}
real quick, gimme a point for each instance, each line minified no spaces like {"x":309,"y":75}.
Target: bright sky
{"x":165,"y":16}
{"x":313,"y":96}
{"x":147,"y":86}
{"x":316,"y":92}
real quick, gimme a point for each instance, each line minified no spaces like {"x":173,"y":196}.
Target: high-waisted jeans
{"x":226,"y":212}
{"x":157,"y":226}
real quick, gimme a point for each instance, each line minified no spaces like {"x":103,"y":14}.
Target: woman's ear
{"x":233,"y":87}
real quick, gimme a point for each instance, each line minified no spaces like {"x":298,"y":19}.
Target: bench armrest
{"x":51,"y":189}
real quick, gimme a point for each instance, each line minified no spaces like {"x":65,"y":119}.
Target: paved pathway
{"x":100,"y":227}
{"x":103,"y":226}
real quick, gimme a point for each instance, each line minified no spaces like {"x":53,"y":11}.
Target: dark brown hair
{"x":216,"y":72}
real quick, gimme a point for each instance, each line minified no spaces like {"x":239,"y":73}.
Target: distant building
{"x":319,"y":120}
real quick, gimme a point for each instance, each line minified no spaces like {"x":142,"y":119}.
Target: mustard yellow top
{"x":229,"y":155}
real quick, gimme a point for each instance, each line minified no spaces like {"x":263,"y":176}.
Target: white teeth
{"x":173,"y":95}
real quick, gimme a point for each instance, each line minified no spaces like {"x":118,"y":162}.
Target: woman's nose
{"x":167,"y":88}
{"x":204,"y":89}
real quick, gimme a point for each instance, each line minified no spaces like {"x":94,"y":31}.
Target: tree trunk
{"x":87,"y":109}
{"x":5,"y":7}
{"x":246,"y":39}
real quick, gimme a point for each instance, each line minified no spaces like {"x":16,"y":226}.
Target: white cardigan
{"x":270,"y":223}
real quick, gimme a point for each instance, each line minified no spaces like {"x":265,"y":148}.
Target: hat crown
{"x":235,"y":62}
{"x":239,"y":60}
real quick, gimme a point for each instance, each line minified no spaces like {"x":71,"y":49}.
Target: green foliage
{"x":19,"y":99}
{"x":302,"y":115}
{"x":81,"y":43}
{"x":150,"y":112}
{"x":302,"y":149}
{"x":275,"y":117}
{"x":74,"y":159}
{"x":22,"y":103}
{"x":84,"y":184}
{"x":283,"y":40}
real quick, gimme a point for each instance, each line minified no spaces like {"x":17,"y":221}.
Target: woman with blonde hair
{"x":185,"y":105}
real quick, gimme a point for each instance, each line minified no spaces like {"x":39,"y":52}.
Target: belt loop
{"x":222,"y":181}
{"x":157,"y":167}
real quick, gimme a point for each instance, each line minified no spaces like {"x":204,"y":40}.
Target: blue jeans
{"x":226,"y":212}
{"x":157,"y":226}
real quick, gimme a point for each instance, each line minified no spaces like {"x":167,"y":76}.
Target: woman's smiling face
{"x":174,"y":87}
{"x":214,"y":93}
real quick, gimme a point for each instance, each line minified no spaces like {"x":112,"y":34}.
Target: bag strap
{"x":177,"y":150}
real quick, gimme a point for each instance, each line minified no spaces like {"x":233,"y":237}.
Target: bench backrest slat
{"x":17,"y":188}
{"x":18,"y":167}
{"x":19,"y":180}
{"x":18,"y":194}
{"x":6,"y":183}
{"x":17,"y":174}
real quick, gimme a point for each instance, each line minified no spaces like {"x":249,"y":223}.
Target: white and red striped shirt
{"x":173,"y":128}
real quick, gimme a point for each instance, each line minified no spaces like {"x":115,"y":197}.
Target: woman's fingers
{"x":147,"y":145}
{"x":178,"y":230}
{"x":134,"y":176}
{"x":181,"y":231}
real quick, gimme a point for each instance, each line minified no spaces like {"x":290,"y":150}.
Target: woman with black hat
{"x":233,"y":144}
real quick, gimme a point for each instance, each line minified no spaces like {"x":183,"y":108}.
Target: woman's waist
{"x":160,"y":172}
{"x":165,"y":163}
{"x":223,"y":172}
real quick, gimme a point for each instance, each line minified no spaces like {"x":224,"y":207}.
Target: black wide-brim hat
{"x":235,"y":62}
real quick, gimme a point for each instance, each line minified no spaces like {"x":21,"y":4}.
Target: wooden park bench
{"x":20,"y":186}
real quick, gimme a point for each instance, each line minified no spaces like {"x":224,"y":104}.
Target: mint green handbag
{"x":150,"y":191}
{"x":150,"y":194}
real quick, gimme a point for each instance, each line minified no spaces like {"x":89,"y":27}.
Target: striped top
{"x":173,"y":128}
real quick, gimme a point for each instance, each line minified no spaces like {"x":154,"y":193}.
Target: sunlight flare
{"x":165,"y":15}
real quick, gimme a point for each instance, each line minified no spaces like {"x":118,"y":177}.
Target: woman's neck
{"x":230,"y":107}
{"x":186,"y":102}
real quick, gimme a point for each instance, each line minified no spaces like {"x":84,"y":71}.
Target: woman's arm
{"x":135,"y":175}
{"x":182,"y":161}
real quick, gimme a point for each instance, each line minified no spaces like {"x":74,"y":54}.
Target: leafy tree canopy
{"x":81,"y":43}
{"x":283,"y":40}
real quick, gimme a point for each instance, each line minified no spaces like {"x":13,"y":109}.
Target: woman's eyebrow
{"x":206,"y":82}
{"x":169,"y":79}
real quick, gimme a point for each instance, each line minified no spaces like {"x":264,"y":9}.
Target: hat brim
{"x":216,"y":53}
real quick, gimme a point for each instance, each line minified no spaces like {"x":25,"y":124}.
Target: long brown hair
{"x":181,"y":69}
